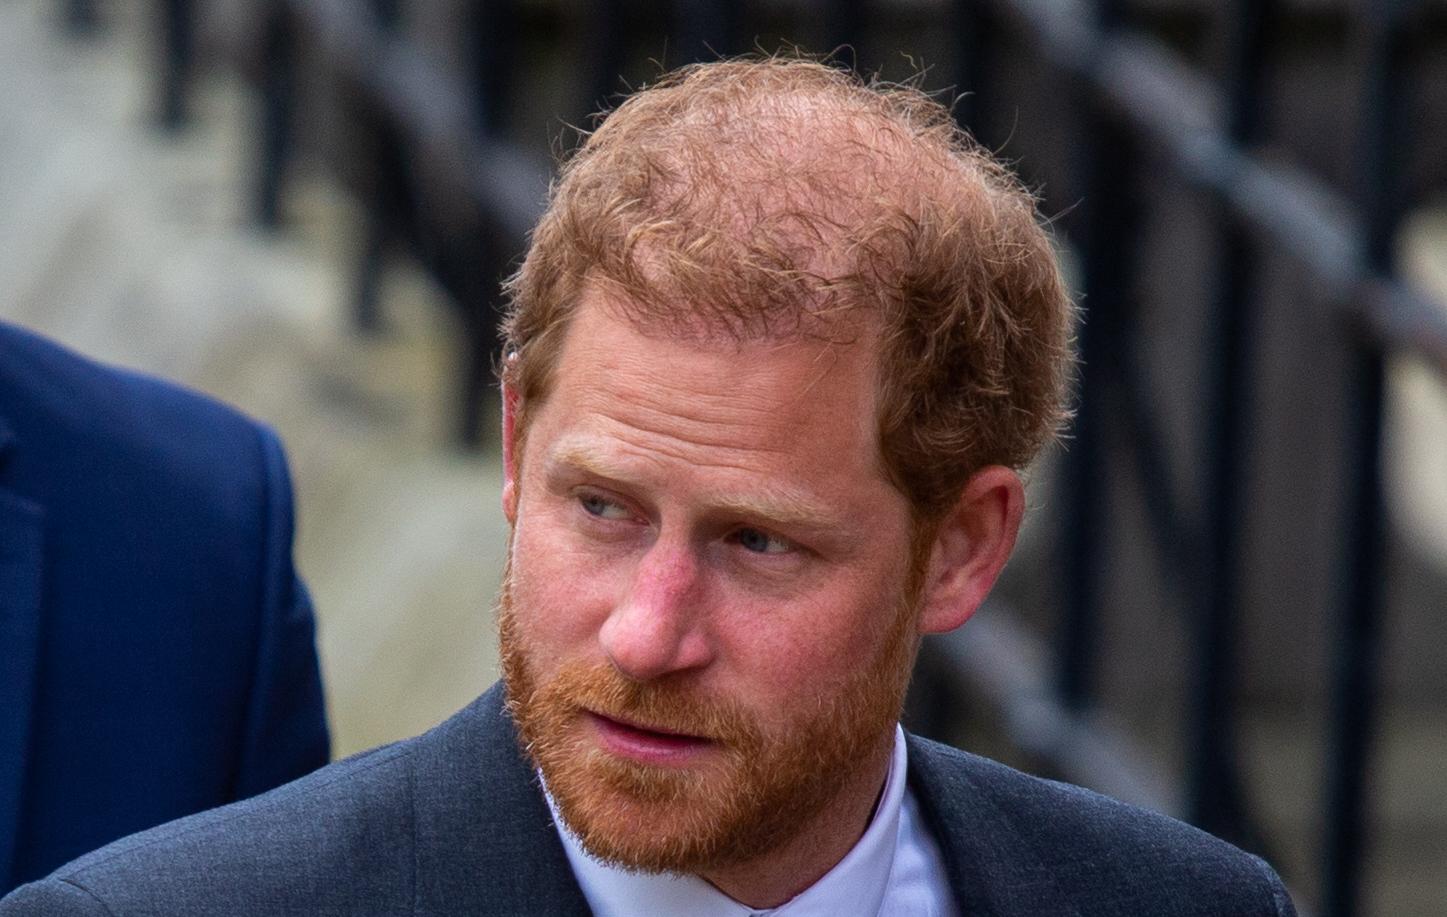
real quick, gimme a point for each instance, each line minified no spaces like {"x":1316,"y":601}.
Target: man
{"x":156,"y":653}
{"x":778,"y":344}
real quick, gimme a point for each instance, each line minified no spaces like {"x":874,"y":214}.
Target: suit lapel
{"x":993,"y":868}
{"x":485,"y":839}
{"x":20,"y":556}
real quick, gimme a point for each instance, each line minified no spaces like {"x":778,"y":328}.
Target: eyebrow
{"x":766,"y":501}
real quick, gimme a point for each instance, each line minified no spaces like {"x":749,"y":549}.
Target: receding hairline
{"x":795,"y":168}
{"x":946,"y":245}
{"x":795,"y":125}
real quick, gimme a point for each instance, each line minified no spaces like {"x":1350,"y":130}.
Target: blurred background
{"x":1230,"y":602}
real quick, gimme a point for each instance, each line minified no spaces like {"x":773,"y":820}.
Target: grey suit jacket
{"x":452,"y":822}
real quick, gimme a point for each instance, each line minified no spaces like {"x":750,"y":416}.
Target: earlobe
{"x":509,"y":453}
{"x":970,"y":548}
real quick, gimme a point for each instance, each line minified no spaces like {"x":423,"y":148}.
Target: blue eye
{"x":760,"y":542}
{"x":602,"y":507}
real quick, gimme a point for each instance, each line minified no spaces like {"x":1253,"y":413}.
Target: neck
{"x":819,"y":845}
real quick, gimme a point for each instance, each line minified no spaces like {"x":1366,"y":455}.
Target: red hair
{"x":762,"y":198}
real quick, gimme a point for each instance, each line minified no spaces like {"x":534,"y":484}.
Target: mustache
{"x":662,"y":706}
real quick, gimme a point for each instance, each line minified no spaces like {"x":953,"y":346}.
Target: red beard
{"x":754,"y":790}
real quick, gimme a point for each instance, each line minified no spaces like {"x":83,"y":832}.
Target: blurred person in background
{"x":156,"y":646}
{"x":779,"y":347}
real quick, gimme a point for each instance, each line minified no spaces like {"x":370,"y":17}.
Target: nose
{"x":655,"y":629}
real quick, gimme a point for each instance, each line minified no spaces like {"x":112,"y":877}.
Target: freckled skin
{"x":688,"y":425}
{"x":714,"y":516}
{"x":687,"y":573}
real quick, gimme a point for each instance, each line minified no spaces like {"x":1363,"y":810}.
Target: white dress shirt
{"x":895,"y":868}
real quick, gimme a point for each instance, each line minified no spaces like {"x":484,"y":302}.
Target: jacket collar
{"x":473,"y":764}
{"x":994,"y":869}
{"x":485,"y":842}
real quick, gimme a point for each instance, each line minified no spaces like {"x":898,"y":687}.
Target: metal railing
{"x":451,"y":186}
{"x":1140,"y":94}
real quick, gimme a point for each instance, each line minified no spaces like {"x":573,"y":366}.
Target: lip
{"x":645,"y":745}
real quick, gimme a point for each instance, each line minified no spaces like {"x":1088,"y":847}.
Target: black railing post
{"x":1107,"y":159}
{"x":388,"y":12}
{"x":844,"y":30}
{"x":974,"y":34}
{"x":278,"y":91}
{"x":704,"y":30}
{"x":1214,"y":788}
{"x":1357,"y":639}
{"x":80,"y":18}
{"x":604,"y":23}
{"x":1385,"y":142}
{"x":493,"y":29}
{"x":386,"y":203}
{"x":177,"y":31}
{"x":480,"y":325}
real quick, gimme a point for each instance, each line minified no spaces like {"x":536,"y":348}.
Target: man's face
{"x":705,"y":626}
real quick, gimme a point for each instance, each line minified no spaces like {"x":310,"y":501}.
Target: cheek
{"x":813,"y":649}
{"x":560,"y":596}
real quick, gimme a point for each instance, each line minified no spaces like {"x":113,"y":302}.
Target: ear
{"x":510,"y":455}
{"x":970,"y":548}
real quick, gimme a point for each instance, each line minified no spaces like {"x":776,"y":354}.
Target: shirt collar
{"x":856,"y":884}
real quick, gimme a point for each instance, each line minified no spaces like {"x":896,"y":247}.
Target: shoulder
{"x":338,"y":838}
{"x":428,"y":825}
{"x":1079,"y":846}
{"x":59,"y":403}
{"x":170,"y":638}
{"x":139,"y":478}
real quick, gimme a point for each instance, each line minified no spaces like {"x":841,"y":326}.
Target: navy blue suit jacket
{"x":453,"y":822}
{"x":156,"y":647}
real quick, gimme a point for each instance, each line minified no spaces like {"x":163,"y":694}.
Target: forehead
{"x":800,"y":407}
